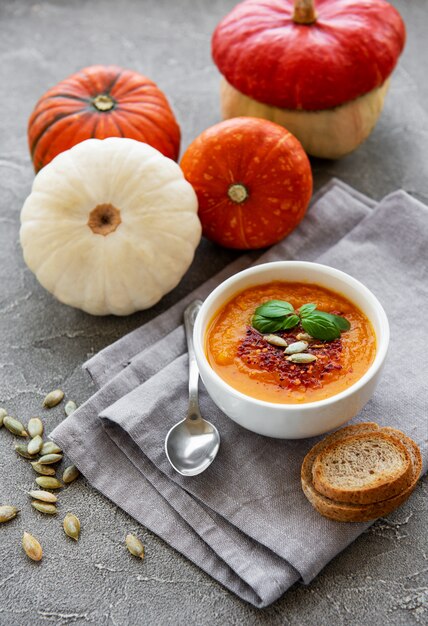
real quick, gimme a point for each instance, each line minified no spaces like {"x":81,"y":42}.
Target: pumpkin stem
{"x":237,"y":193}
{"x":304,"y":12}
{"x":103,"y":102}
{"x":104,"y":219}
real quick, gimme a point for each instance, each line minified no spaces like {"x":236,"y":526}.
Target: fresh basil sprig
{"x":276,"y":315}
{"x":275,"y":308}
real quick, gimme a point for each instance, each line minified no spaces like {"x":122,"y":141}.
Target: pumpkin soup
{"x":290,"y":342}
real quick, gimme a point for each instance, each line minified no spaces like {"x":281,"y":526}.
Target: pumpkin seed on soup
{"x":302,"y":358}
{"x":304,"y":337}
{"x":298,"y":346}
{"x":275,"y":340}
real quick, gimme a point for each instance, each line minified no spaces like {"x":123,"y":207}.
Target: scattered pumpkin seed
{"x":70,"y":474}
{"x":276,"y":340}
{"x":48,"y":482}
{"x":46,"y":470}
{"x":3,"y":414}
{"x":14,"y":426}
{"x":318,"y":345}
{"x":44,"y":496}
{"x":32,"y":547}
{"x":70,"y":407}
{"x":53,"y":398}
{"x":43,"y":507}
{"x":298,"y":346}
{"x":35,"y":427}
{"x":7,"y":512}
{"x":35,"y":445}
{"x":22,"y":450}
{"x":302,"y":357}
{"x":50,"y":447}
{"x":47,"y":459}
{"x":135,"y":546}
{"x":304,"y":337}
{"x":71,"y":526}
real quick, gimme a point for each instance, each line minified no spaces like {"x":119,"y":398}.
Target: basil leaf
{"x":275,"y":308}
{"x":306,"y":309}
{"x":318,"y":325}
{"x":341,"y":322}
{"x":266,"y":325}
{"x":290,"y":322}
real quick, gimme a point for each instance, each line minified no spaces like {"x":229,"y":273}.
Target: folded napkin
{"x":245,"y":520}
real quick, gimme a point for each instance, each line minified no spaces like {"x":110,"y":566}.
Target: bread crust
{"x":382,"y":487}
{"x":351,"y":512}
{"x":412,"y":446}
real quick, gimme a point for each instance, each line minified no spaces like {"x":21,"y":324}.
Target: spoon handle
{"x":189,"y":322}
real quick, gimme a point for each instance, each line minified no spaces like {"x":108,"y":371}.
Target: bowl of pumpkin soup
{"x":291,"y":349}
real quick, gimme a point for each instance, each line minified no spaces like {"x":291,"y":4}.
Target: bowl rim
{"x":381,"y":347}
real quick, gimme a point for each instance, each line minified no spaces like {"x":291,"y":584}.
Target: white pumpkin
{"x":110,"y":226}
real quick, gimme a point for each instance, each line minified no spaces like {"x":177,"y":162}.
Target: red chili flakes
{"x":256,"y":353}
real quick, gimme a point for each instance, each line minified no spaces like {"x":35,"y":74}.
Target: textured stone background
{"x":382,"y":577}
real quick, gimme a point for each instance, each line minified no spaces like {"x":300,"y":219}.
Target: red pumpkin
{"x":320,"y":67}
{"x":347,"y":48}
{"x":100,"y":102}
{"x":253,"y":181}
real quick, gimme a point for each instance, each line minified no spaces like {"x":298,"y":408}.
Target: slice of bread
{"x":412,"y":447}
{"x":348,"y":511}
{"x":363,"y":468}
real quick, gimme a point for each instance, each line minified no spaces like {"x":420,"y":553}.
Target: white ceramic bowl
{"x":292,"y":421}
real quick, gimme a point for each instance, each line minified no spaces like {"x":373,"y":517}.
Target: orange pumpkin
{"x":253,"y":181}
{"x":99,"y":102}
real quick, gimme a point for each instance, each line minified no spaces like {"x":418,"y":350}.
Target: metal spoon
{"x":192,"y":444}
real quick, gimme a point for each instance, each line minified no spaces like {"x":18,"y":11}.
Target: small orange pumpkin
{"x":99,"y":102}
{"x":253,"y":181}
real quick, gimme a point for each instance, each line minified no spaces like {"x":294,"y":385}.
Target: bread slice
{"x":412,"y":447}
{"x":350,"y":512}
{"x":363,"y":468}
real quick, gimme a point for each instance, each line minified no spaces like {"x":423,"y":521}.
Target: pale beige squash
{"x":329,"y":133}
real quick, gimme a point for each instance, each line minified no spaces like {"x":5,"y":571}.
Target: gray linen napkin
{"x":252,"y":529}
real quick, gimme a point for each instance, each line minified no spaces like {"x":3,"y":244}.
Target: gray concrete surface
{"x":382,"y":577}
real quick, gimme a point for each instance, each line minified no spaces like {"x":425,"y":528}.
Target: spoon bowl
{"x":192,"y":444}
